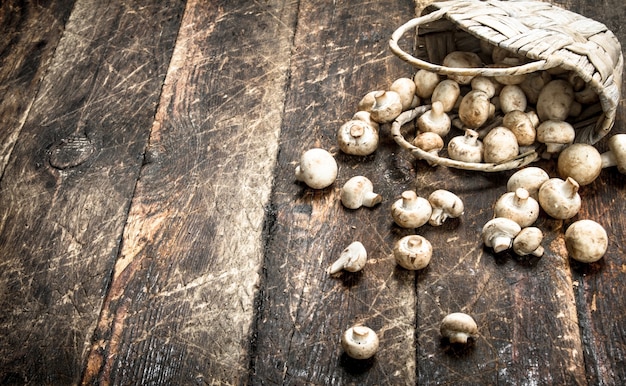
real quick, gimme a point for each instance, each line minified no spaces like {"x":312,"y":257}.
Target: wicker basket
{"x":546,"y":35}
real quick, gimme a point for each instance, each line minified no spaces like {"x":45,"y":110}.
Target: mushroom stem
{"x":370,"y":199}
{"x":501,"y":243}
{"x":352,"y":259}
{"x":616,"y":156}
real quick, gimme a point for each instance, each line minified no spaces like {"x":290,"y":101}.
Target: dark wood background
{"x":152,"y":231}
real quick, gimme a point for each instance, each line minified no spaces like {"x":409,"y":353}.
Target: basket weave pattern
{"x":548,"y":36}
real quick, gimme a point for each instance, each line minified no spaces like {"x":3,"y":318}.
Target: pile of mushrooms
{"x":475,"y":123}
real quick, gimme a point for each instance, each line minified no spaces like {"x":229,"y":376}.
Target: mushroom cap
{"x":360,"y":342}
{"x":530,"y":178}
{"x":425,"y":83}
{"x":522,"y":127}
{"x":500,"y":145}
{"x":499,"y":232}
{"x":317,"y":169}
{"x":559,"y":198}
{"x":405,"y":87}
{"x":552,"y":131}
{"x":387,"y":107}
{"x":435,"y":120}
{"x":487,"y":85}
{"x":428,"y":141}
{"x":517,"y":206}
{"x":445,"y":204}
{"x":466,"y":148}
{"x":528,"y":242}
{"x":457,"y":327}
{"x":533,"y":83}
{"x":413,"y":252}
{"x":359,"y":191}
{"x":367,"y":102}
{"x":512,"y":98}
{"x":357,"y":137}
{"x":447,"y":92}
{"x":580,"y":161}
{"x":475,"y":109}
{"x":462,"y":59}
{"x":617,"y":145}
{"x":555,"y":100}
{"x":411,"y":211}
{"x":352,"y":259}
{"x":586,"y":241}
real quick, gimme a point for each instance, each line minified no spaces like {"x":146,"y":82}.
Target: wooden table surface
{"x":152,"y":231}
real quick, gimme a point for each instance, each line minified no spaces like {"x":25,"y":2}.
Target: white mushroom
{"x":556,"y":135}
{"x":530,"y":178}
{"x":616,"y":156}
{"x":458,"y":327}
{"x":586,"y":241}
{"x":358,"y":136}
{"x":475,"y":109}
{"x":461,"y":59}
{"x":447,"y":92}
{"x":425,"y":83}
{"x":317,"y":169}
{"x":413,"y":252}
{"x":435,"y":120}
{"x":405,"y":88}
{"x":555,"y":100}
{"x":445,"y":205}
{"x":367,"y":102}
{"x":584,"y":163}
{"x":411,"y":211}
{"x":499,"y":232}
{"x":352,"y":259}
{"x":517,"y":206}
{"x":360,"y":342}
{"x":522,"y":127}
{"x":500,"y":145}
{"x":512,"y":98}
{"x":533,"y":84}
{"x":467,"y":148}
{"x":580,"y":161}
{"x":487,"y":85}
{"x":429,"y":142}
{"x":359,"y":191}
{"x":387,"y":107}
{"x":528,"y":242}
{"x":559,"y":198}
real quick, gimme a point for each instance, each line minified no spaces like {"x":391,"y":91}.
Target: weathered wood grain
{"x":181,"y":301}
{"x":30,"y":33}
{"x":66,"y":190}
{"x":599,"y":287}
{"x":524,"y":307}
{"x":340,"y":54}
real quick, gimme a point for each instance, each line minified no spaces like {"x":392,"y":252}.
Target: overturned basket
{"x":548,"y":37}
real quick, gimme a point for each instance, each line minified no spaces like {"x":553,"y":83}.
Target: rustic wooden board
{"x":66,"y":190}
{"x":181,"y":301}
{"x":340,"y":54}
{"x":599,"y":287}
{"x":31,"y":32}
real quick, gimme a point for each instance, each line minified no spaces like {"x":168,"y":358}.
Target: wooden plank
{"x":65,"y":193}
{"x":30,"y":35}
{"x":182,"y":297}
{"x":599,"y":287}
{"x":341,"y":54}
{"x":524,"y":307}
